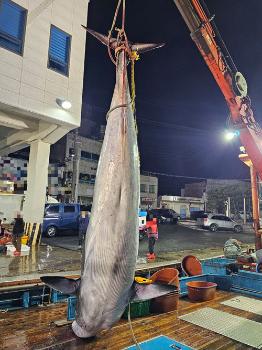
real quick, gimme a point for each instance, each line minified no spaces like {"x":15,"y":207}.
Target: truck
{"x":65,"y":217}
{"x":62,"y":217}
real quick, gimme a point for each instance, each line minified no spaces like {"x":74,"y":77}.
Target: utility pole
{"x":76,"y":161}
{"x":204,"y":196}
{"x":228,"y":207}
{"x":245,"y":211}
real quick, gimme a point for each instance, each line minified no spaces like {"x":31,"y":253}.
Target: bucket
{"x":164,"y":304}
{"x":169,"y":302}
{"x":201,"y":290}
{"x":166,"y":276}
{"x":191,"y":266}
{"x":24,"y":240}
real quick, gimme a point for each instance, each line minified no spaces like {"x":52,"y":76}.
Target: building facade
{"x":60,"y":172}
{"x":42,"y":51}
{"x":148,"y":191}
{"x":215,"y":193}
{"x":63,"y":153}
{"x":184,"y":206}
{"x":197,"y":189}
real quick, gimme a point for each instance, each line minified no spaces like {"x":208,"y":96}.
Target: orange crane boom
{"x":234,"y":88}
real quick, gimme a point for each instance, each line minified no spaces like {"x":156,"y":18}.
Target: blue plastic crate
{"x":223,"y":282}
{"x":247,"y":282}
{"x":71,"y":308}
{"x":216,"y":266}
{"x":161,"y":343}
{"x":58,"y":297}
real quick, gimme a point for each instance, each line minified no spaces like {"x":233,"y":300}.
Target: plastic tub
{"x":201,"y":290}
{"x":191,"y":266}
{"x":164,"y":304}
{"x":167,"y":276}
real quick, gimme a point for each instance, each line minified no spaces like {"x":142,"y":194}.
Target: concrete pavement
{"x":175,"y":242}
{"x":171,"y":238}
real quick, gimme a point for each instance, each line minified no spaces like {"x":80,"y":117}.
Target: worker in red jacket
{"x":152,"y":233}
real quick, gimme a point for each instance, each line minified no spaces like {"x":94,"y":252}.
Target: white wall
{"x":179,"y":204}
{"x":10,"y":204}
{"x":148,"y":198}
{"x":26,"y":82}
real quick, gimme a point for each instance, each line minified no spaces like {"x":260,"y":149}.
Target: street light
{"x":65,"y":104}
{"x":231,"y":134}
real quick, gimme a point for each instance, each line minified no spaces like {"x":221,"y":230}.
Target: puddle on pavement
{"x":41,"y":259}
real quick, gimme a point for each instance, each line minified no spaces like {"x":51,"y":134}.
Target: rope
{"x":131,"y":329}
{"x":121,"y":32}
{"x":113,"y":108}
{"x":111,"y":30}
{"x":134,"y":57}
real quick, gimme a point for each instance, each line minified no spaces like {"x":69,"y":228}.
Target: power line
{"x":187,"y":177}
{"x":142,"y":119}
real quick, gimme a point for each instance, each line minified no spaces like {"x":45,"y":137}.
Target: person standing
{"x":83,"y":224}
{"x":18,"y":231}
{"x":2,"y":230}
{"x":152,"y":233}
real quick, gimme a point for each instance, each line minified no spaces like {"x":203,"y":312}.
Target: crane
{"x":233,"y":86}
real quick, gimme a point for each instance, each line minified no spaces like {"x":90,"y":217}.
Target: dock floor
{"x":34,"y":329}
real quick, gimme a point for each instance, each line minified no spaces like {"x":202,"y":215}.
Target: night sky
{"x":181,"y":112}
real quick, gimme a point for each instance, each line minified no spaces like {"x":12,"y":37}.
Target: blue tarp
{"x":161,"y":343}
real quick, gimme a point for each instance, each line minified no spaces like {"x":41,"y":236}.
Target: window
{"x":84,"y":177}
{"x":152,"y":189}
{"x":69,"y":209}
{"x":12,"y":26}
{"x":53,"y":209}
{"x":86,"y":155}
{"x":87,"y":178}
{"x":95,"y":157}
{"x":59,"y":50}
{"x":143,"y":188}
{"x":90,"y":156}
{"x":218,"y":217}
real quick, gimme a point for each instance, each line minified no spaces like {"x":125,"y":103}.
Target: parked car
{"x":194,"y":215}
{"x":60,"y":217}
{"x":216,"y":222}
{"x":165,"y":215}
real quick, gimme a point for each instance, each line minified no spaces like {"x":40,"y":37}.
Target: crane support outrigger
{"x":234,"y":88}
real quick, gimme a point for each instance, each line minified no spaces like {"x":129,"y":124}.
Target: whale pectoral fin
{"x":150,"y":291}
{"x":62,"y":284}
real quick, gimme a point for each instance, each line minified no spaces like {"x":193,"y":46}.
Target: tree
{"x":217,"y":196}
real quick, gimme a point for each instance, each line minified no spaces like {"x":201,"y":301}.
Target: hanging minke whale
{"x":107,"y":282}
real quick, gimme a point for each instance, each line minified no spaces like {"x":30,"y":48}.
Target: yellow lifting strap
{"x":134,"y":57}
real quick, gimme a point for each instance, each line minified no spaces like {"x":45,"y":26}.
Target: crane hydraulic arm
{"x":233,"y":86}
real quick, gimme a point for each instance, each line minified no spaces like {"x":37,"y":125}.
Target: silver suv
{"x":215,"y":222}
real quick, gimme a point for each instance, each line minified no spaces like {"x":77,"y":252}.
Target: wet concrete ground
{"x":172,"y":238}
{"x":61,"y":254}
